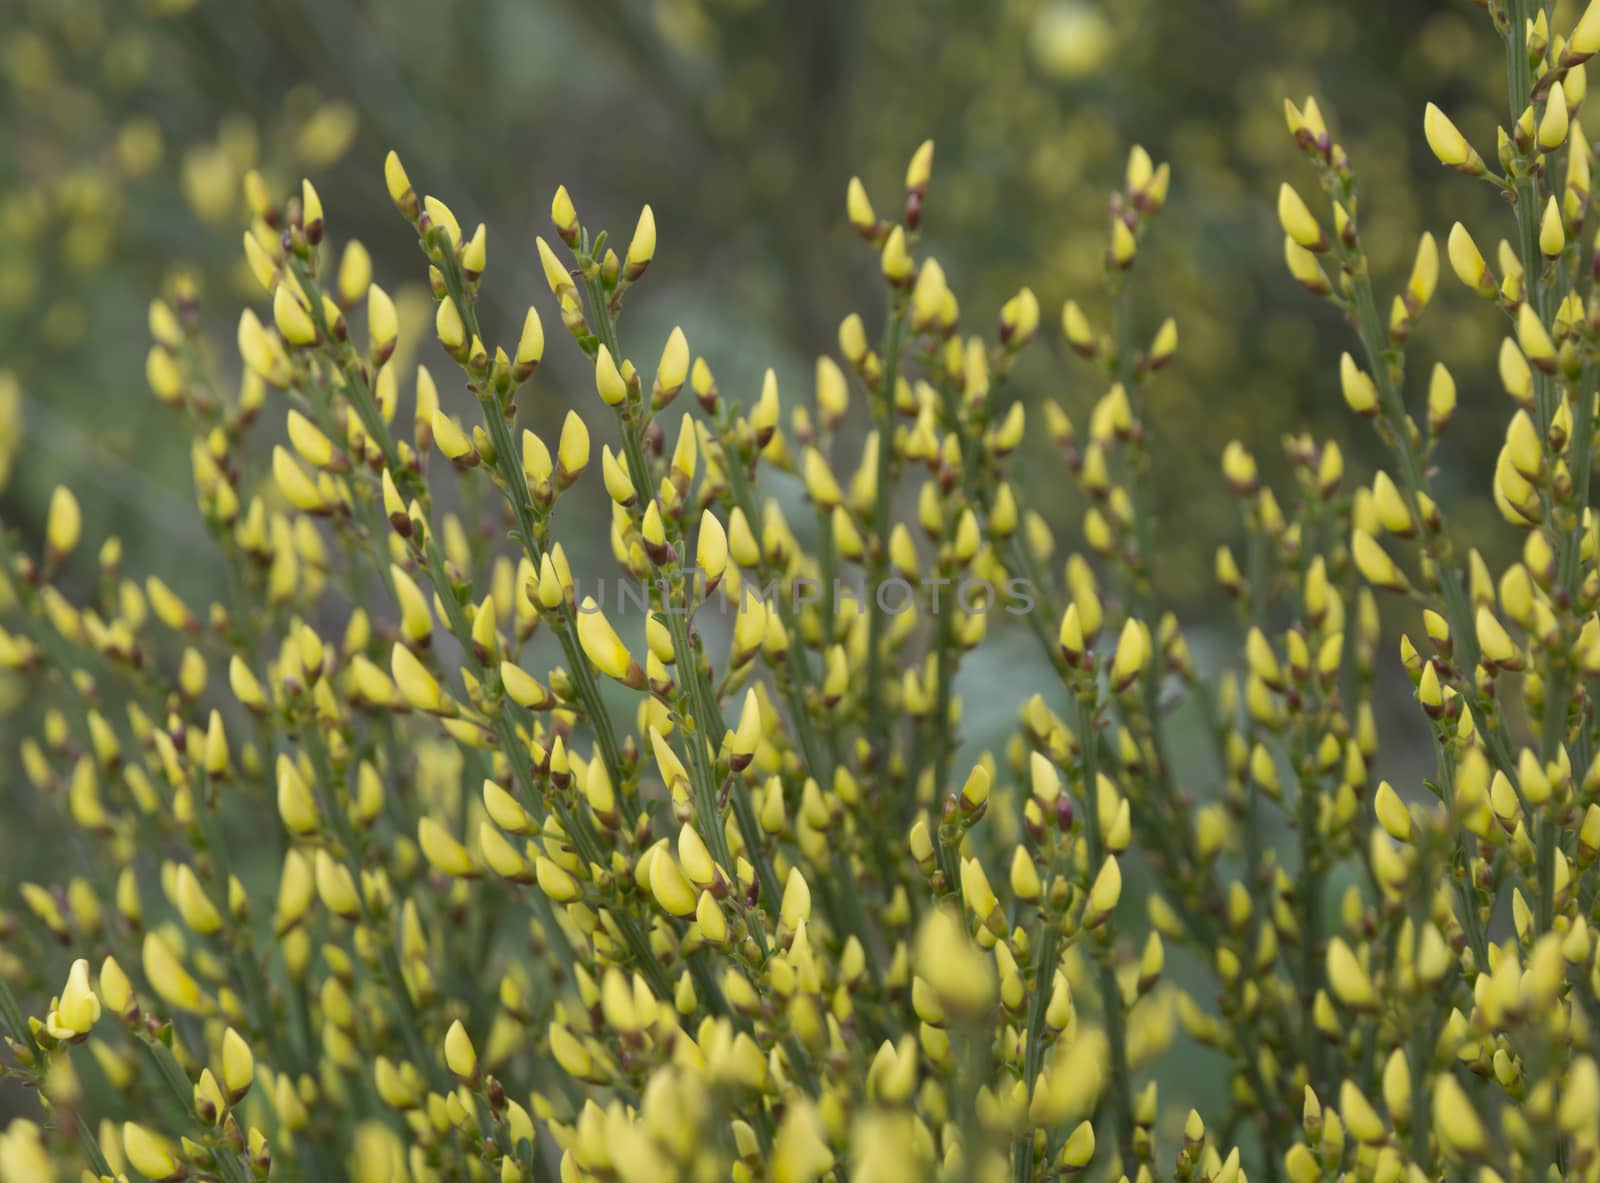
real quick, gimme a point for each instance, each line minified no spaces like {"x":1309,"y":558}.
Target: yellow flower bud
{"x":1441,"y":398}
{"x":336,"y":886}
{"x":694,"y":858}
{"x":833,"y":392}
{"x":292,"y":318}
{"x":709,"y":917}
{"x":615,"y":476}
{"x":400,"y":191}
{"x":1454,"y":1120}
{"x":796,"y":905}
{"x":443,"y":852}
{"x":196,"y":908}
{"x":747,"y":736}
{"x":537,"y":467}
{"x":115,"y":989}
{"x":297,"y":488}
{"x":975,"y":790}
{"x":1579,"y":1106}
{"x":1496,"y":644}
{"x":150,"y":1154}
{"x":1104,"y":893}
{"x":170,"y":979}
{"x":1348,"y":979}
{"x":1297,"y":220}
{"x":1392,"y":813}
{"x":1467,"y":262}
{"x":1585,"y":39}
{"x":383,"y":324}
{"x":961,"y":977}
{"x":670,"y":887}
{"x":561,"y":887}
{"x":564,"y":215}
{"x":853,"y":339}
{"x":1429,"y":692}
{"x":603,"y":647}
{"x":459,"y":1054}
{"x":1554,"y":122}
{"x":1075,"y":326}
{"x":672,"y":369}
{"x":476,"y":255}
{"x":764,"y":415}
{"x":1448,"y":144}
{"x":800,"y":1152}
{"x":78,"y":1009}
{"x":1132,"y":656}
{"x":1424,"y":275}
{"x":444,"y":218}
{"x":416,"y":684}
{"x":1303,"y":266}
{"x":355,"y":273}
{"x":1359,"y":392}
{"x":711,"y":549}
{"x":569,"y":1053}
{"x":1025,"y":884}
{"x":504,"y":809}
{"x":859,"y":209}
{"x":63,"y":523}
{"x":893,"y":1072}
{"x":1165,"y":344}
{"x":1360,"y":1118}
{"x":920,"y":170}
{"x":1123,"y":244}
{"x":642,"y":246}
{"x":1239,"y":468}
{"x":524,"y":689}
{"x":261,"y":262}
{"x":1261,"y":659}
{"x":449,"y":327}
{"x":927,"y":294}
{"x":572,"y":449}
{"x":896,"y":260}
{"x":238,"y":1066}
{"x":556,"y":274}
{"x":314,"y":447}
{"x":1524,"y":448}
{"x":1079,"y":1148}
{"x":1396,"y":1088}
{"x":608,"y":379}
{"x":1375,"y":564}
{"x":1552,"y":234}
{"x":1534,"y":339}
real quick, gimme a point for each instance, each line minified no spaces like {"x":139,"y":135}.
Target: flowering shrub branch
{"x":548,"y":893}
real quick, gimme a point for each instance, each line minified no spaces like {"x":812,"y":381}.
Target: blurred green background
{"x":127,"y":125}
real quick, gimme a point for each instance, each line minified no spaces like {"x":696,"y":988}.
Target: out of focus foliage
{"x":125,"y":129}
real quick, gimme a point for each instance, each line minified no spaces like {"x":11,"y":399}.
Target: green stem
{"x":1033,"y":1051}
{"x":394,"y":977}
{"x":1519,"y":86}
{"x":1110,"y":992}
{"x":943,"y":727}
{"x":799,"y":674}
{"x":168,"y":1068}
{"x":850,"y":916}
{"x":1463,"y":629}
{"x":630,"y":418}
{"x":516,"y":489}
{"x":878,"y":729}
{"x":1310,"y":893}
{"x":575,"y":824}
